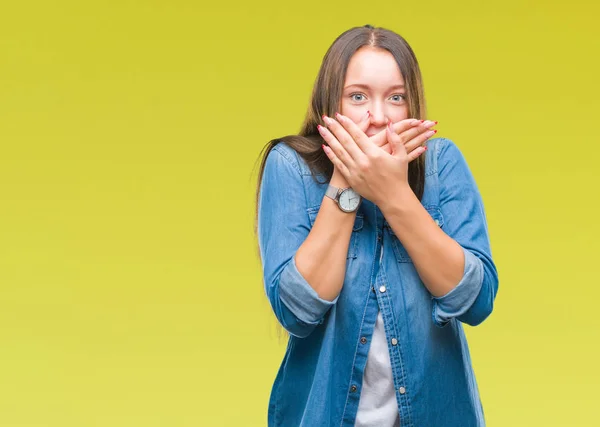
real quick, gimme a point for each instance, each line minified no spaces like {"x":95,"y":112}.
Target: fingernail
{"x":422,"y":121}
{"x":425,"y":148}
{"x":327,"y":120}
{"x":435,"y":123}
{"x":435,"y":130}
{"x":338,"y":116}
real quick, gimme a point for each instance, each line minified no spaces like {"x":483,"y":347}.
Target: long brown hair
{"x":326,"y":99}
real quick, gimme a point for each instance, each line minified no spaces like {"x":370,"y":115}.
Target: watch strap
{"x":332,"y":192}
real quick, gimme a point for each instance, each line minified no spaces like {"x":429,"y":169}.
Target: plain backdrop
{"x":130,"y":287}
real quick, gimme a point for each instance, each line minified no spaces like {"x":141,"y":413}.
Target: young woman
{"x":375,"y":250}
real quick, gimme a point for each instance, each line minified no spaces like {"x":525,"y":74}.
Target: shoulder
{"x":292,"y":157}
{"x":443,"y":153}
{"x":282,"y":157}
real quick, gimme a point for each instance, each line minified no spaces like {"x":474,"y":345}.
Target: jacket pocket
{"x":358,"y":225}
{"x":399,"y":250}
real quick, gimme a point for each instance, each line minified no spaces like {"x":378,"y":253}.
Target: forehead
{"x":374,"y":67}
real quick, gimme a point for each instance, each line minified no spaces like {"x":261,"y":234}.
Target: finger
{"x":335,"y":146}
{"x":336,"y":162}
{"x":380,"y":139}
{"x":395,"y":141}
{"x":387,"y":148}
{"x":364,"y":122}
{"x":419,"y":140}
{"x":343,"y":138}
{"x":357,"y":135}
{"x":408,"y":134}
{"x":416,"y":153}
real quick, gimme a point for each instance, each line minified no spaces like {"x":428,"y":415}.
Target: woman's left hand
{"x":372,"y":172}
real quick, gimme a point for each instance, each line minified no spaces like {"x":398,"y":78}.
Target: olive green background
{"x":130,"y":288}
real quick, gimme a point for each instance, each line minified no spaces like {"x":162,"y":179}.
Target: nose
{"x":378,"y":117}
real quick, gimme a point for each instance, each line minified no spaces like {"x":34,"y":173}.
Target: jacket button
{"x":402,"y":390}
{"x":353,"y":389}
{"x":363,"y":340}
{"x":394,"y":341}
{"x":382,"y":289}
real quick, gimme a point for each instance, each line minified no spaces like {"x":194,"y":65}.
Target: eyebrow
{"x":368,"y":87}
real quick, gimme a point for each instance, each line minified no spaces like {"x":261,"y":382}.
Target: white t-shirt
{"x":377,"y":405}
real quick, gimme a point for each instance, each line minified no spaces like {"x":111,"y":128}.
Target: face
{"x":374,"y":83}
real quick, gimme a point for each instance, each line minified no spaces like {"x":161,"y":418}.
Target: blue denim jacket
{"x":319,"y":381}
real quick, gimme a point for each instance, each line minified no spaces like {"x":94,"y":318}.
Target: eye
{"x":352,"y":97}
{"x":399,"y":97}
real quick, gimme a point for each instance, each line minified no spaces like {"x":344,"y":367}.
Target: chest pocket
{"x":358,"y":225}
{"x":399,"y":250}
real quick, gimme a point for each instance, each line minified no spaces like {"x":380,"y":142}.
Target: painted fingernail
{"x":422,"y":121}
{"x":435,"y":123}
{"x":339,"y":116}
{"x":435,"y":131}
{"x":327,"y":120}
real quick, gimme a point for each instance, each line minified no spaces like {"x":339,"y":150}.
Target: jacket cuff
{"x":461,"y":298}
{"x":300,"y":298}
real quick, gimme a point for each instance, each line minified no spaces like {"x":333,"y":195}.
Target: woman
{"x":374,"y":253}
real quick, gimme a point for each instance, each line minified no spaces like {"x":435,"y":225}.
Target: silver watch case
{"x":347,"y":199}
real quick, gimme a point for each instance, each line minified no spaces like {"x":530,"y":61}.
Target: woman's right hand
{"x":337,"y":179}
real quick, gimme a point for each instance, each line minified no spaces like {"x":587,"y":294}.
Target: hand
{"x":408,"y":129}
{"x":369,"y":169}
{"x":337,"y":179}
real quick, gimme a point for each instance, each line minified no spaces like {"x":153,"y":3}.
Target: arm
{"x":456,"y":265}
{"x":303,"y":268}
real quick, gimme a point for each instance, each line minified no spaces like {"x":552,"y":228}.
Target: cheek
{"x":399,"y":114}
{"x":353,"y":112}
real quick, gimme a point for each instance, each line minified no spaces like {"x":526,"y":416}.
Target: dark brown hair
{"x":326,"y":99}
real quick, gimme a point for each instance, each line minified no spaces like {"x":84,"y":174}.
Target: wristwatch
{"x":347,"y":199}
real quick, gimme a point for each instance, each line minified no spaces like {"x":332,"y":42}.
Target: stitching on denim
{"x":360,"y":331}
{"x":355,"y":352}
{"x":387,"y":299}
{"x":284,"y":153}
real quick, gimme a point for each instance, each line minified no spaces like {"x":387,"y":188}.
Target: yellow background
{"x":130,"y":290}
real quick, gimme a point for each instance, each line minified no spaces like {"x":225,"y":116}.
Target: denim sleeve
{"x":472,"y":300}
{"x":283,"y":225}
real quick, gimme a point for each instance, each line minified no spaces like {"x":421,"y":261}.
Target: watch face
{"x":349,"y":200}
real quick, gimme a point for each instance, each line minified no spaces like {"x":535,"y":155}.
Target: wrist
{"x":338,"y":180}
{"x":398,"y":201}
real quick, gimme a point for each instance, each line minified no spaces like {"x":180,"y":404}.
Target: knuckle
{"x":363,"y":166}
